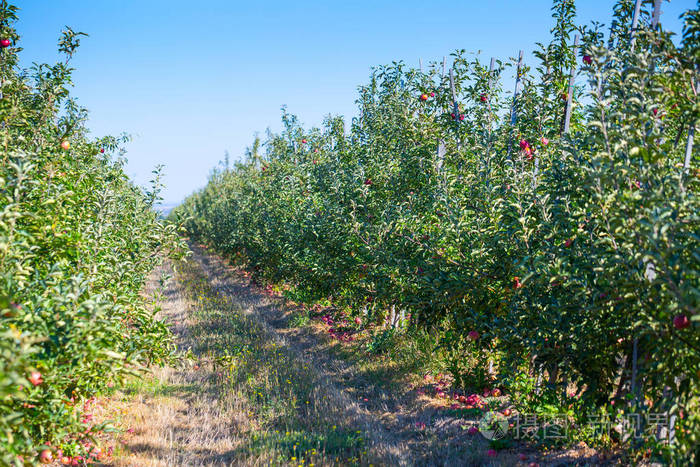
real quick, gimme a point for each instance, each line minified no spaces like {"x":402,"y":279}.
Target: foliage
{"x":77,"y":243}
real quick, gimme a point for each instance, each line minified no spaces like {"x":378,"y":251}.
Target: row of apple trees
{"x":562,"y":254}
{"x":77,"y":243}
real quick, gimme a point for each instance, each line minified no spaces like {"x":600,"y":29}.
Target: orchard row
{"x":77,"y":242}
{"x":548,"y":240}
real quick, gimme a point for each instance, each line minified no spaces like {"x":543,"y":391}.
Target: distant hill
{"x":165,"y":208}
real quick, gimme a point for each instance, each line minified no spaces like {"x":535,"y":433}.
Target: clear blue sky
{"x":189,"y":80}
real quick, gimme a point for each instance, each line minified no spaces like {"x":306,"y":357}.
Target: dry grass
{"x":256,"y":392}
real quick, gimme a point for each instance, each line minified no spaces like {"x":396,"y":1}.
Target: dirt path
{"x":400,"y":430}
{"x":259,"y":392}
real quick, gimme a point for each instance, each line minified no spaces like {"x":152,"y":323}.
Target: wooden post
{"x":569,"y":99}
{"x":635,"y":21}
{"x":490,"y":83}
{"x":487,"y":162}
{"x":689,"y":149}
{"x":656,"y":15}
{"x":513,"y":112}
{"x":691,"y":136}
{"x":441,"y":151}
{"x":455,"y":107}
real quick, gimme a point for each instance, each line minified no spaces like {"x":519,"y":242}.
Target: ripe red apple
{"x":516,"y":283}
{"x":424,"y":97}
{"x":587,"y":59}
{"x":303,"y":141}
{"x":461,"y":117}
{"x":473,"y":335}
{"x":681,"y":322}
{"x":524,"y":144}
{"x":4,"y":43}
{"x":544,"y":141}
{"x":432,"y":94}
{"x":102,"y":150}
{"x":484,"y":98}
{"x":358,"y":320}
{"x":35,"y":378}
{"x":368,"y":182}
{"x":46,"y":457}
{"x":568,"y":242}
{"x":65,"y":144}
{"x":507,"y":412}
{"x":454,"y":117}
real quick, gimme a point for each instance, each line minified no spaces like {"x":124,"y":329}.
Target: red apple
{"x":432,"y":94}
{"x":568,"y":242}
{"x":4,"y":43}
{"x":368,"y":182}
{"x":587,"y":59}
{"x":35,"y":378}
{"x":491,"y":453}
{"x":303,"y":141}
{"x":507,"y":412}
{"x":524,"y":144}
{"x":102,"y":150}
{"x":484,"y":98}
{"x":681,"y":322}
{"x":65,"y":144}
{"x":473,"y":335}
{"x":544,"y":141}
{"x":454,"y":117}
{"x":516,"y":283}
{"x":424,"y":97}
{"x":46,"y":457}
{"x":461,"y":117}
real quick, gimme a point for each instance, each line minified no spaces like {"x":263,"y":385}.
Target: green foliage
{"x":77,"y":243}
{"x":382,"y":341}
{"x":569,"y":255}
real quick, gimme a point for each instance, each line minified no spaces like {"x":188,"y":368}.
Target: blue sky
{"x":190,"y":80}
